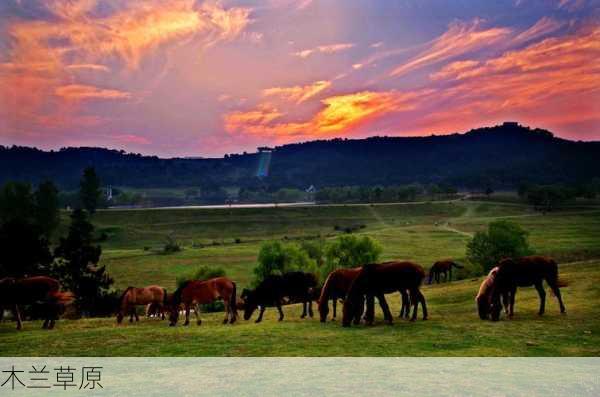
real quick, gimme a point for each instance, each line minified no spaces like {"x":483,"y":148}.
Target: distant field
{"x":420,"y":232}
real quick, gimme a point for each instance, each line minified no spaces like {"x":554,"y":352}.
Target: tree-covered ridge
{"x":503,"y":156}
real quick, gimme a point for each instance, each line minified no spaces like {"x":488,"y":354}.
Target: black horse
{"x":295,"y":286}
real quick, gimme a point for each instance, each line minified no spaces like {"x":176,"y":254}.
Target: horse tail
{"x":165,"y":299}
{"x":456,"y":265}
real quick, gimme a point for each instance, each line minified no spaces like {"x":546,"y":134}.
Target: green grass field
{"x":420,"y":232}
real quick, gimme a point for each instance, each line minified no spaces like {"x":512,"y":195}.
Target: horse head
{"x":250,"y":305}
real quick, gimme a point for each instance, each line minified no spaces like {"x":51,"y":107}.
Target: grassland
{"x":421,"y":232}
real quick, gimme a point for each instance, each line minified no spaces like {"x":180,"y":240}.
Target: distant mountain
{"x":502,"y":156}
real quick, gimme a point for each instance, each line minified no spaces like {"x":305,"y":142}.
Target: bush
{"x":504,"y":239}
{"x":350,"y":251}
{"x":277,"y":258}
{"x":171,"y":246}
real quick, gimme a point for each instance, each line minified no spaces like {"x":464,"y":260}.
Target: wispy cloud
{"x":460,"y":38}
{"x":82,"y":92}
{"x":298,"y":94}
{"x":324,"y":49}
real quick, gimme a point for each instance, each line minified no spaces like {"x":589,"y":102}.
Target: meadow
{"x":423,"y":232}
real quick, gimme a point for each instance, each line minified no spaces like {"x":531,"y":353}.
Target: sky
{"x":204,"y":78}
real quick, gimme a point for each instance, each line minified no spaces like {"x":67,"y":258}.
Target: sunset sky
{"x":205,"y":78}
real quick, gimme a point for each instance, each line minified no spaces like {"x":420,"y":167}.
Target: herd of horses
{"x":356,"y":287}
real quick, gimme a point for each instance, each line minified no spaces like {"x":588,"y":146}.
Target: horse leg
{"x":137,"y":318}
{"x":505,"y":302}
{"x":197,"y":311}
{"x":511,"y":309}
{"x":187,"y":314}
{"x":556,"y":291}
{"x":279,"y":310}
{"x":17,"y":315}
{"x":423,"y":304}
{"x":370,"y":310}
{"x":311,"y":314}
{"x":404,"y":299}
{"x":387,"y":315}
{"x":334,"y":304}
{"x":260,"y":315}
{"x":415,"y":301}
{"x":540,"y":289}
{"x":303,"y":310}
{"x":227,"y":311}
{"x":450,"y":274}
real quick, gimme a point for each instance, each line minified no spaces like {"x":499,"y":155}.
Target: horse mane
{"x":178,"y":291}
{"x":325,"y":290}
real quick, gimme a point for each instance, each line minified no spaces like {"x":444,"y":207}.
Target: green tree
{"x":503,"y":239}
{"x":24,"y":250}
{"x":277,"y":258}
{"x":47,"y":211}
{"x":89,"y":190}
{"x":76,"y":265}
{"x":350,"y":251}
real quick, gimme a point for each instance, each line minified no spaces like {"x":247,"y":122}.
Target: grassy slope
{"x":452,"y":330}
{"x":423,"y":233}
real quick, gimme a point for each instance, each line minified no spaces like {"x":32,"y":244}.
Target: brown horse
{"x":132,"y":297}
{"x":197,"y":292}
{"x":442,"y":267}
{"x":336,"y":287}
{"x":34,"y":290}
{"x":376,"y":280}
{"x":484,"y":295}
{"x":525,"y":272}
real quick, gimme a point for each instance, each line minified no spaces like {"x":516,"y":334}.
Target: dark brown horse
{"x":34,"y":290}
{"x":296,"y":286}
{"x":376,"y":280}
{"x":132,"y":297}
{"x":199,"y":292}
{"x":442,"y":267}
{"x":525,"y":272}
{"x":336,"y":287}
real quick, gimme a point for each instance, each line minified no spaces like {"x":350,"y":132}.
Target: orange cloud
{"x":541,"y":28}
{"x":561,"y":73}
{"x":459,"y":39}
{"x":80,"y":92}
{"x":340,"y":113}
{"x":45,"y":55}
{"x":298,"y":94}
{"x":325,"y":49}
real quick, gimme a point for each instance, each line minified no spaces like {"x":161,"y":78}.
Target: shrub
{"x":277,"y":258}
{"x":171,"y":246}
{"x":350,"y":251}
{"x":503,"y":239}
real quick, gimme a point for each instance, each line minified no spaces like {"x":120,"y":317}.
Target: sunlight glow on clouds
{"x":195,"y":77}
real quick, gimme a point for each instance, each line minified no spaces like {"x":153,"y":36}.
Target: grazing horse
{"x":336,"y":287}
{"x":297,"y":286}
{"x":484,"y":295}
{"x":376,"y":280}
{"x":132,"y":297}
{"x":525,"y":272}
{"x":442,"y":267}
{"x":33,"y":290}
{"x":199,"y":292}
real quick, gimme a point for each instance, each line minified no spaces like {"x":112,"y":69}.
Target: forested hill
{"x":502,"y":156}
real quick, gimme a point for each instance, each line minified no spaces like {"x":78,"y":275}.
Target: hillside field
{"x":420,"y":232}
